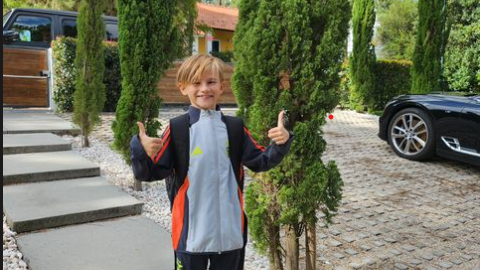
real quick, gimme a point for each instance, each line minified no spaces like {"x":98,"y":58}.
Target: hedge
{"x":392,"y":79}
{"x":64,"y":74}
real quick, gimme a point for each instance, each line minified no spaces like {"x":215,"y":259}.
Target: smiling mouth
{"x":204,"y":96}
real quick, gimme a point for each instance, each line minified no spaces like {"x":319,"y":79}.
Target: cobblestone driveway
{"x":396,"y":214}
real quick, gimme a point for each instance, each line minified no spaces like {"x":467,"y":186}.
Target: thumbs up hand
{"x":151,"y":145}
{"x":279,"y":134}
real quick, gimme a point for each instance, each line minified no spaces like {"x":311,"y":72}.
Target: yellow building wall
{"x":225,"y":37}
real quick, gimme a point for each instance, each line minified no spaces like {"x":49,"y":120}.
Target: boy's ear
{"x":222,"y":87}
{"x":182,"y":89}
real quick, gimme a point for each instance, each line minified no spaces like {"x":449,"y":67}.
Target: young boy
{"x":203,"y":153}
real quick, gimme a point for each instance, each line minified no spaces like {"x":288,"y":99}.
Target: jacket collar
{"x":194,"y":114}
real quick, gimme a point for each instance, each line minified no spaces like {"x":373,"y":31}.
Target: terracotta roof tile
{"x":217,"y":17}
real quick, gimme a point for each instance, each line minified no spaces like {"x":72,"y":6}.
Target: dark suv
{"x":27,"y":57}
{"x":38,"y":27}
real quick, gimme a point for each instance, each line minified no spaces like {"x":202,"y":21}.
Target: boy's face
{"x":205,"y":93}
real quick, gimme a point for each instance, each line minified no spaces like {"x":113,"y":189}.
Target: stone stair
{"x":68,"y":216}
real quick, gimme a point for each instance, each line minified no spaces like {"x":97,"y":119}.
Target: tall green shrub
{"x":363,"y":57}
{"x":64,"y":74}
{"x":90,"y":65}
{"x":244,"y":66}
{"x":430,"y":46}
{"x":292,"y":59}
{"x":462,"y":56}
{"x":148,"y":44}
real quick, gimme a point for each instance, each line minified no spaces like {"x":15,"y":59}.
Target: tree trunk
{"x":291,"y":248}
{"x":137,"y":185}
{"x":274,"y":248}
{"x":85,"y":141}
{"x":311,"y":246}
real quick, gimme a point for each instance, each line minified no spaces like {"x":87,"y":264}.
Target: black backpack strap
{"x":179,"y":132}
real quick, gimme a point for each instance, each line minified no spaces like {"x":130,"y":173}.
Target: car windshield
{"x":5,"y":17}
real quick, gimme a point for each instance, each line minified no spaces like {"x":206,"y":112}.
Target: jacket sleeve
{"x":258,"y":158}
{"x":147,"y":168}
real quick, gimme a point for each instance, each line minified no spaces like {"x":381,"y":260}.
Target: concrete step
{"x":37,"y":206}
{"x":132,"y":243}
{"x":34,"y":143}
{"x":27,"y":123}
{"x":38,"y":167}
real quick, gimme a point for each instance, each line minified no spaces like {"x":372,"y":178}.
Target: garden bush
{"x":64,"y":74}
{"x":392,"y":79}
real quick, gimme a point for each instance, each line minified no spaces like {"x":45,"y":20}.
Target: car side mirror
{"x":10,"y":36}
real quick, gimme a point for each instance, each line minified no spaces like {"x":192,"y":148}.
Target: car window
{"x":5,"y":17}
{"x":69,"y":28}
{"x":112,"y":32}
{"x":33,"y":29}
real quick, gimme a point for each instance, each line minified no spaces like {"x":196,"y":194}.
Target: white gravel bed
{"x":12,"y":258}
{"x":154,"y":195}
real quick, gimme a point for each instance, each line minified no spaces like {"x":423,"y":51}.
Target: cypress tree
{"x":244,"y":68}
{"x":148,"y":44}
{"x":362,"y":60}
{"x":430,"y":46}
{"x":295,"y":51}
{"x":89,"y":96}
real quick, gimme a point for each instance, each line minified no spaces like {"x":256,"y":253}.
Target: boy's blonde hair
{"x":193,"y":68}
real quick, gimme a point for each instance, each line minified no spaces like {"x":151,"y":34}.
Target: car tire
{"x":411,"y":134}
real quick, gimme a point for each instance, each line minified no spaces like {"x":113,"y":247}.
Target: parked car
{"x":38,"y":27}
{"x":419,"y":126}
{"x":27,"y":60}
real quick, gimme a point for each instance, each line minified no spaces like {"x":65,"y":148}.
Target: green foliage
{"x":226,"y":57}
{"x":185,"y":21}
{"x":89,"y":97}
{"x":288,"y":55}
{"x":429,"y":47}
{"x":462,"y":56}
{"x":397,"y":29}
{"x":149,"y":42}
{"x":392,"y":78}
{"x":64,"y":74}
{"x":362,"y":60}
{"x":244,"y":66}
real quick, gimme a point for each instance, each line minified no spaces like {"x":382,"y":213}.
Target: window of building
{"x":215,"y":45}
{"x":33,"y":29}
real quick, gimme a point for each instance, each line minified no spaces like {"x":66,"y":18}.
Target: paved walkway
{"x":71,"y":217}
{"x":396,"y":214}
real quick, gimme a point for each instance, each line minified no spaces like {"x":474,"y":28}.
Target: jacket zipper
{"x":218,"y":182}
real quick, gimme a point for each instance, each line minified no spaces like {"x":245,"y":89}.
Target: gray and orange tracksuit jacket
{"x":204,"y":170}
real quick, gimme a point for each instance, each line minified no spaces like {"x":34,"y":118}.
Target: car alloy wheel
{"x":411,"y":134}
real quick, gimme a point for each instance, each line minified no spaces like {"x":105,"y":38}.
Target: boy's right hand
{"x":151,"y":145}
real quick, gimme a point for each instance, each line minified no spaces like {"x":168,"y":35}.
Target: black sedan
{"x":419,"y":126}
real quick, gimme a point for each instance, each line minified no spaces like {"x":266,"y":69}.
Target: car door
{"x":471,"y":127}
{"x":25,"y":60}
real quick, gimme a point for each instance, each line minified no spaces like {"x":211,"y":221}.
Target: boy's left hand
{"x":279,"y":134}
